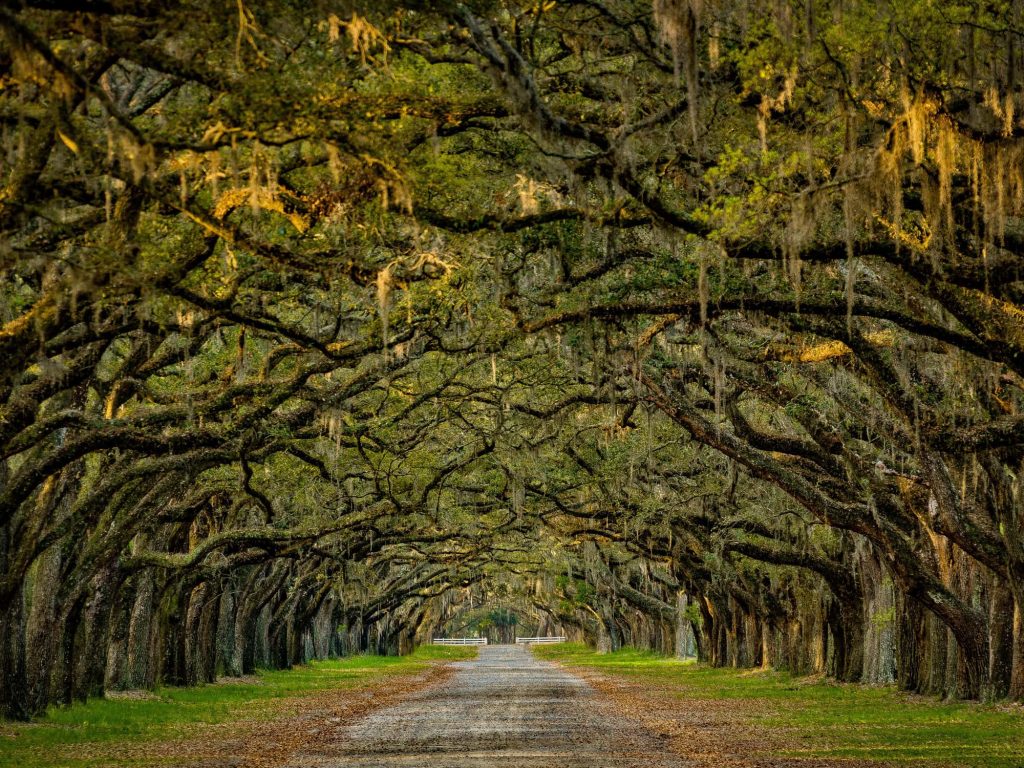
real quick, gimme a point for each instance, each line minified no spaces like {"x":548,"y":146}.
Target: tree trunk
{"x":683,"y":629}
{"x":63,"y":676}
{"x":42,"y":632}
{"x":1016,"y":691}
{"x":1001,"y":619}
{"x":14,"y":692}
{"x":139,"y":668}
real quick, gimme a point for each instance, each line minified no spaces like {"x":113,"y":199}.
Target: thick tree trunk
{"x":14,"y":689}
{"x":172,"y":636}
{"x":91,"y":640}
{"x":69,"y":627}
{"x":199,"y":652}
{"x":42,"y":632}
{"x":120,"y":627}
{"x":939,"y":643}
{"x":879,"y":619}
{"x":1016,"y":691}
{"x":1001,"y":619}
{"x":226,"y":630}
{"x":683,"y":628}
{"x":139,"y":669}
{"x":767,"y":645}
{"x":911,"y":647}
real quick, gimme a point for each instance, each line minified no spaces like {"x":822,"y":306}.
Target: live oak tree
{"x":672,"y":323}
{"x":885,"y":178}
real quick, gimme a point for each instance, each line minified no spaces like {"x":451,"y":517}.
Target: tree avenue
{"x":674,"y":324}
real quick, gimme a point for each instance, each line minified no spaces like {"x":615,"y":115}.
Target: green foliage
{"x":369,"y":307}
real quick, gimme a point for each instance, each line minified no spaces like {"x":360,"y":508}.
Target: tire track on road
{"x":505,"y":709}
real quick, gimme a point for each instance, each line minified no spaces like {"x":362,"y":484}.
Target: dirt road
{"x":504,"y":709}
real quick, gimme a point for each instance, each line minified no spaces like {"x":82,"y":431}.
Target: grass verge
{"x":182,"y":725}
{"x":774,"y":715}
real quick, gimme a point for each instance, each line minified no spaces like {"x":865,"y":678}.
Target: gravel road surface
{"x":504,"y":709}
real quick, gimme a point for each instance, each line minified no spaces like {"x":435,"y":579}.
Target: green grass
{"x":823,"y":719}
{"x":85,"y":735}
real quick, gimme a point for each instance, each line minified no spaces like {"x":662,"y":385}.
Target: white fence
{"x":460,"y":641}
{"x":528,"y":640}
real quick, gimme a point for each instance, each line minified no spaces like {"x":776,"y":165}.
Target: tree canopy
{"x":327,"y":326}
